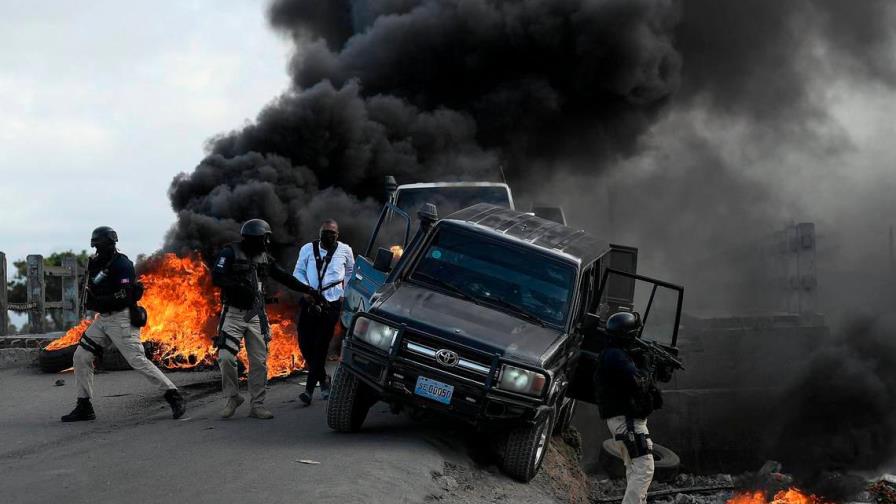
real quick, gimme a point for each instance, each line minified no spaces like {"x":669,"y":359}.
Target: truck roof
{"x":424,"y":185}
{"x":524,"y":227}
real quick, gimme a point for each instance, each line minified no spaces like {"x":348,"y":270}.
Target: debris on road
{"x":60,"y":382}
{"x":308,"y":462}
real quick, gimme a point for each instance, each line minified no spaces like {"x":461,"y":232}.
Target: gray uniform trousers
{"x":115,"y":329}
{"x":235,"y":326}
{"x":638,"y":471}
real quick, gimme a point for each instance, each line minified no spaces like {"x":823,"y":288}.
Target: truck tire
{"x":525,"y":449}
{"x":666,"y":462}
{"x":54,"y":361}
{"x":348,"y":404}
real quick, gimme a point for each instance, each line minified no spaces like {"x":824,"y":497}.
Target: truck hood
{"x":476,"y":326}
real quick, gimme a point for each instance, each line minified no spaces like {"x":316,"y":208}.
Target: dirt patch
{"x":561,"y":479}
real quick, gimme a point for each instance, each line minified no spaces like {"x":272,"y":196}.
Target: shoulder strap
{"x":321,"y":263}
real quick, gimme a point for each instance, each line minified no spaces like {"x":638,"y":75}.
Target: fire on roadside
{"x":789,"y":496}
{"x":183,"y":305}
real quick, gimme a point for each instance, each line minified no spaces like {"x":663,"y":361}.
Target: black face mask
{"x":328,"y":238}
{"x":254,"y":245}
{"x":104,"y":248}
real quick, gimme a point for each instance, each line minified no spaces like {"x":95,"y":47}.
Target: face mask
{"x":254,"y":245}
{"x":328,"y":238}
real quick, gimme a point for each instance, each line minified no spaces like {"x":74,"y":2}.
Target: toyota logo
{"x":446,"y":358}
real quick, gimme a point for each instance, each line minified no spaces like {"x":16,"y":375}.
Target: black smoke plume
{"x":669,"y":125}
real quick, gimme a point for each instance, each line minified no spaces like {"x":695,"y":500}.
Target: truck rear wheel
{"x":349,"y":402}
{"x":525,"y":449}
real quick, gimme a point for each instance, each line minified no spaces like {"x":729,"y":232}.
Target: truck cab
{"x":490,"y":316}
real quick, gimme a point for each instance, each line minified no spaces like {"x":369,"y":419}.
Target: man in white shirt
{"x":325,"y":265}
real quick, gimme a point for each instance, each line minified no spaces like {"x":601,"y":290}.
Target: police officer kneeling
{"x":241,"y":271}
{"x":626,"y":395}
{"x":113,"y":292}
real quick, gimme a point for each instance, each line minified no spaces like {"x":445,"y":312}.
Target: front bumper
{"x":394,"y":377}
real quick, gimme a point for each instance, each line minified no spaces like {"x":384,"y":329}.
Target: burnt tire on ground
{"x":666,"y":462}
{"x":112,"y":360}
{"x":525,"y":448}
{"x":349,"y":402}
{"x":53,"y":361}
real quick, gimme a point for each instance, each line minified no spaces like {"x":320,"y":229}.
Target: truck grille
{"x":422,"y":349}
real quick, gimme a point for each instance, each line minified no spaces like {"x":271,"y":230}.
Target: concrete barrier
{"x":18,"y":357}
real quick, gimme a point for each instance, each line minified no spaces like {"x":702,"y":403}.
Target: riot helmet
{"x":256,"y":235}
{"x":103,"y":239}
{"x":624,"y":325}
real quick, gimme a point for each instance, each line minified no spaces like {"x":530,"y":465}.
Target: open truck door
{"x":659,"y":304}
{"x":385,"y":247}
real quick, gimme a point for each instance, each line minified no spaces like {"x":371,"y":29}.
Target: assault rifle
{"x":658,"y":354}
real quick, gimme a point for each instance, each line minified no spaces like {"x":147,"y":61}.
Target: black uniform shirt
{"x":113,"y":291}
{"x":617,"y":380}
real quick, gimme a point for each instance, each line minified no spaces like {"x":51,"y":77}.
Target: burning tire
{"x":54,"y":361}
{"x":112,"y":360}
{"x":666,"y":462}
{"x":525,"y":448}
{"x":349,"y":402}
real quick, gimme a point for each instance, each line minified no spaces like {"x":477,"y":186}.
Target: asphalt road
{"x":134,"y":452}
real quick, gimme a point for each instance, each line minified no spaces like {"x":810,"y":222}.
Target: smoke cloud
{"x":691,"y":129}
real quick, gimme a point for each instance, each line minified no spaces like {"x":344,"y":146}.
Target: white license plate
{"x":434,"y":389}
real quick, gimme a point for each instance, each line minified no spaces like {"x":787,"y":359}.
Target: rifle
{"x":659,"y":354}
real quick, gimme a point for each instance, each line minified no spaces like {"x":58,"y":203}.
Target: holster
{"x":635,"y":442}
{"x":137,"y":315}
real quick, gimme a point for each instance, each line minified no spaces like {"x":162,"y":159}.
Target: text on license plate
{"x":434,"y":389}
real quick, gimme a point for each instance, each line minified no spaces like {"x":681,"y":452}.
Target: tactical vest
{"x":248,"y":272}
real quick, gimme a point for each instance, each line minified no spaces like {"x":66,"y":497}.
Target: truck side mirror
{"x":383,"y":260}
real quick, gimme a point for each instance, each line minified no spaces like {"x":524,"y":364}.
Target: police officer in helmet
{"x":113,"y":292}
{"x":241,"y":271}
{"x":626,"y":395}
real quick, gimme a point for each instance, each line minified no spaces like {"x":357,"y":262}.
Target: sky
{"x":101,"y":106}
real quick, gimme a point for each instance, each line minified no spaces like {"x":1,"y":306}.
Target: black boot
{"x":83,"y":411}
{"x":176,"y":401}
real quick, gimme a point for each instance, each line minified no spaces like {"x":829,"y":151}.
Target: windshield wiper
{"x":445,"y":285}
{"x":516,"y":310}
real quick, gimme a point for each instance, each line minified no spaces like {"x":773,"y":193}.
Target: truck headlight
{"x":374,"y":333}
{"x":522,"y":381}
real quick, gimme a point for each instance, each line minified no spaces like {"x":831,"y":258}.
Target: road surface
{"x":134,"y":452}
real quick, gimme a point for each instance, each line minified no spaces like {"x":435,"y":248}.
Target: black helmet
{"x":255,"y":227}
{"x":624,"y":324}
{"x":103,"y":235}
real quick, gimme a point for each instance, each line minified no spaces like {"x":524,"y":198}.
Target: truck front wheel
{"x":525,"y":449}
{"x":350,"y":400}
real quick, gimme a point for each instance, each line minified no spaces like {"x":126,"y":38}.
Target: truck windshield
{"x":521,"y":281}
{"x":450,"y":199}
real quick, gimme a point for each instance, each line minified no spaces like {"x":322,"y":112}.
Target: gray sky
{"x":103,"y":102}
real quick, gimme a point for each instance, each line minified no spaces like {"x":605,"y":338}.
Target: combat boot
{"x":83,"y":411}
{"x":232,"y":404}
{"x":177,"y":403}
{"x":260,"y":412}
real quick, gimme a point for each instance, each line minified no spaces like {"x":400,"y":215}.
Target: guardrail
{"x":37,"y":303}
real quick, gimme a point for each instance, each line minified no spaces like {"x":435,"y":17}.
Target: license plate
{"x":434,"y":389}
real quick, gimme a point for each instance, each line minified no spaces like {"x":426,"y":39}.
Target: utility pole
{"x":892,"y":260}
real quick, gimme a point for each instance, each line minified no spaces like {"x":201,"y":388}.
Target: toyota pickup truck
{"x":490,"y":316}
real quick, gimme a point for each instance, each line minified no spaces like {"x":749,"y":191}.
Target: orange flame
{"x":397,"y":251}
{"x":789,"y":496}
{"x":183,"y":308}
